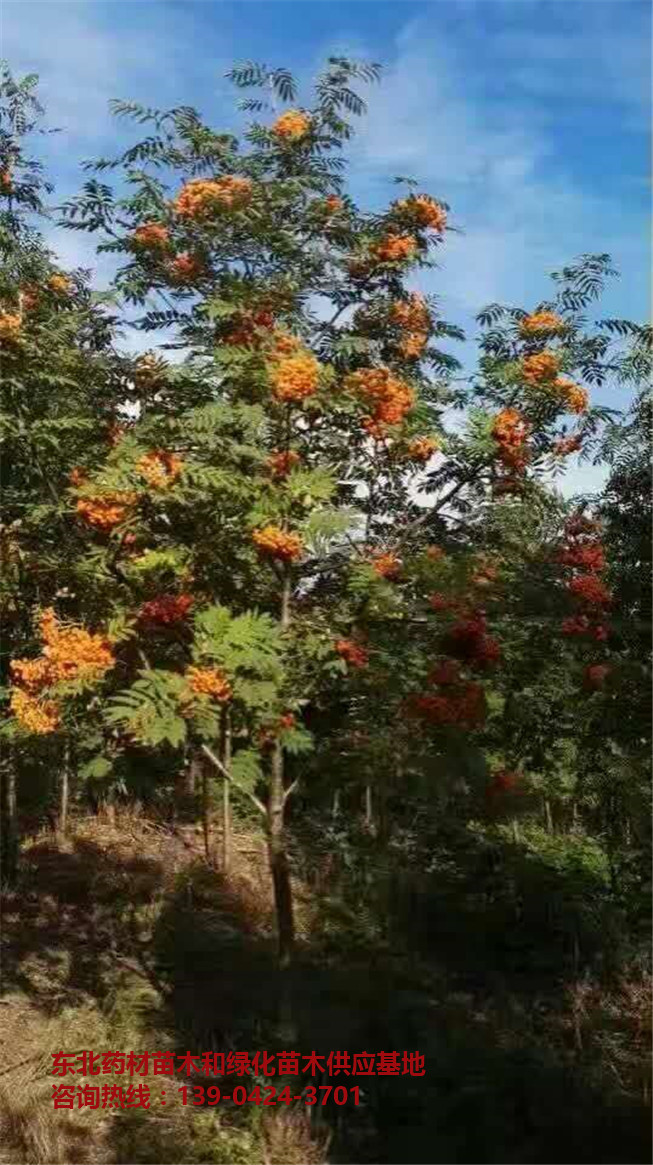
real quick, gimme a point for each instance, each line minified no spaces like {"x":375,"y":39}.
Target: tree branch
{"x":423,"y":518}
{"x":291,"y":788}
{"x":228,"y":777}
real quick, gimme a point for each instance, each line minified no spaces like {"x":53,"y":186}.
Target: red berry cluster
{"x":469,"y":641}
{"x":583,"y":555}
{"x":166,"y":609}
{"x":463,"y":706}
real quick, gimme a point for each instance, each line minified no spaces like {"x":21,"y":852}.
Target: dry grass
{"x":80,"y":966}
{"x":290,"y":1139}
{"x":31,"y":1130}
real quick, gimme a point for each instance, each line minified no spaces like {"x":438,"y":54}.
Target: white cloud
{"x":469,"y":105}
{"x":522,"y":214}
{"x":87,"y":53}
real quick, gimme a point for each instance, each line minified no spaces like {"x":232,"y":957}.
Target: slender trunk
{"x":64,"y":791}
{"x":226,"y":827}
{"x":226,"y":793}
{"x":335,"y":804}
{"x":547,"y":815}
{"x":206,"y":824}
{"x":279,"y":867}
{"x":190,"y":777}
{"x":278,"y":857}
{"x":369,"y":812}
{"x":187,"y":780}
{"x":10,"y":854}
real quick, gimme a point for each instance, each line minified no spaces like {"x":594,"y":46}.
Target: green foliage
{"x":149,"y":709}
{"x":248,"y":643}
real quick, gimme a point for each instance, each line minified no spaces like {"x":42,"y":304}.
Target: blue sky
{"x":530,"y":117}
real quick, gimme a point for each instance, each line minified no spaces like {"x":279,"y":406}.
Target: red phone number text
{"x":139,"y":1095}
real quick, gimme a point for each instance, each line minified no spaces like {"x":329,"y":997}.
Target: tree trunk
{"x":10,"y":848}
{"x":206,"y":823}
{"x":187,"y":780}
{"x":276,"y":833}
{"x":335,"y":804}
{"x":283,"y":901}
{"x":226,"y":794}
{"x":279,"y":862}
{"x":547,"y":815}
{"x":280,"y":869}
{"x":64,"y":791}
{"x":369,"y":813}
{"x":190,"y":776}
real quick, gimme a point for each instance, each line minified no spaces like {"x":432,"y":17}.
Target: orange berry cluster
{"x":233,"y":192}
{"x":185,"y":268}
{"x":151,"y":236}
{"x":202,"y":197}
{"x":573,"y":396}
{"x":149,"y":367}
{"x":391,"y":398}
{"x":9,"y":327}
{"x":412,"y":316}
{"x":291,"y":126}
{"x":294,"y":378}
{"x":160,"y":468}
{"x":394,"y":248}
{"x":423,"y":211}
{"x":540,"y":367}
{"x":485,"y":574}
{"x":116,"y":432}
{"x":104,"y":511}
{"x":166,"y":609}
{"x":70,"y":653}
{"x":248,"y":329}
{"x":541,"y":322}
{"x":280,"y":464}
{"x":412,"y":345}
{"x":387,"y":565}
{"x":59,"y":284}
{"x":38,"y":716}
{"x":352,"y":652}
{"x":422,"y":449}
{"x":510,"y":431}
{"x":282,"y":344}
{"x":273,"y":542}
{"x":332,"y":204}
{"x":29,"y":297}
{"x":207,"y":681}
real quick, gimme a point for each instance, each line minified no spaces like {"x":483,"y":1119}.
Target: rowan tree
{"x":284,"y":545}
{"x":62,"y":388}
